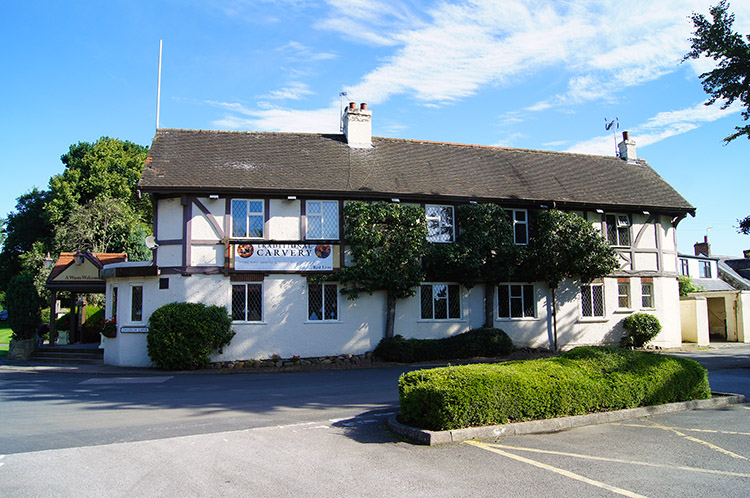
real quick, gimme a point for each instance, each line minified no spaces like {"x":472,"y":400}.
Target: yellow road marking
{"x":709,"y":431}
{"x":614,"y":460}
{"x":577,"y":477}
{"x":696,"y":440}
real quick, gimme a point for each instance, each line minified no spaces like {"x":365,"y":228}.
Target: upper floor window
{"x":247,"y":302}
{"x":440,"y":225}
{"x":704,"y":269}
{"x":248,"y":218}
{"x":322,"y":219}
{"x":440,"y":301}
{"x":684,"y":267}
{"x":592,"y":300}
{"x":618,"y":229}
{"x":516,"y":301}
{"x":322,"y":302}
{"x":520,"y":220}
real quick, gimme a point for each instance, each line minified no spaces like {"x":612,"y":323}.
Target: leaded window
{"x":647,"y":295}
{"x":440,"y":224}
{"x":247,"y":302}
{"x":136,"y":303}
{"x":114,"y":304}
{"x":516,"y":301}
{"x":322,"y":302}
{"x":618,"y":229}
{"x":440,"y":301}
{"x":322,"y":219}
{"x":248,"y":218}
{"x":592,"y":300}
{"x":623,"y":294}
{"x":520,"y":220}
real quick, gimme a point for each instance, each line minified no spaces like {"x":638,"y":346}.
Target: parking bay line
{"x":495,"y":448}
{"x":489,"y":446}
{"x":125,"y":380}
{"x":693,"y":439}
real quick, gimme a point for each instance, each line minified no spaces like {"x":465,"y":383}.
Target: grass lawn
{"x":4,"y":339}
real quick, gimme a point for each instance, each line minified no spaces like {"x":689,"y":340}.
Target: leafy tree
{"x":687,"y":286}
{"x":105,"y":225}
{"x":23,"y":305}
{"x":744,"y":226}
{"x":730,"y":80}
{"x":25,"y":227}
{"x":484,"y":251}
{"x":387,"y":242}
{"x":106,"y":169}
{"x":564,"y":245}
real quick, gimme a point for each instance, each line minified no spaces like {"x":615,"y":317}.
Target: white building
{"x":242,"y":219}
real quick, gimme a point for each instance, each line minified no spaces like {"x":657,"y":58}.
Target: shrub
{"x":91,"y":327}
{"x":583,"y":380}
{"x":640,"y":328}
{"x":182,"y":336}
{"x":476,"y":342}
{"x":687,"y":286}
{"x":23,"y":302}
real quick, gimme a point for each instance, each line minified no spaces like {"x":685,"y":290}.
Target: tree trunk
{"x":489,"y":305}
{"x":554,"y":317}
{"x":390,"y":314}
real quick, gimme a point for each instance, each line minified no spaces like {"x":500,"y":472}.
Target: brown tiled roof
{"x":99,"y":259}
{"x":184,"y":161}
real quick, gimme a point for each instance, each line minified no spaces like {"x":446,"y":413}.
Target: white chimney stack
{"x":627,"y":148}
{"x":358,"y":126}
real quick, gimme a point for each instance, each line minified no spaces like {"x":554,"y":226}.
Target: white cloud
{"x":279,"y":119}
{"x":295,"y":91}
{"x":662,"y":125}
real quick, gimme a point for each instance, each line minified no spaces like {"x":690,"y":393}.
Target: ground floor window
{"x":136,"y":303}
{"x":516,"y":301}
{"x":247,"y":302}
{"x":647,"y":295}
{"x":623,"y":294}
{"x":114,"y":304}
{"x":592,"y":300}
{"x":440,"y":301}
{"x":322,"y":302}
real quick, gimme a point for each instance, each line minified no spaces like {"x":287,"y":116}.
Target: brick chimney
{"x":627,"y":148}
{"x":358,"y":126}
{"x":702,"y":248}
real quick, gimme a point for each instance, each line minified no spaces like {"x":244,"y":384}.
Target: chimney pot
{"x":352,"y":105}
{"x":626,"y":135}
{"x":363,"y":106}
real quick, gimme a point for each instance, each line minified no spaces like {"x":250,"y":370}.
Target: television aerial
{"x":614,"y":125}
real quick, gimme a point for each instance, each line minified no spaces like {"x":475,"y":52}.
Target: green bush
{"x":91,"y":327}
{"x":476,"y":342}
{"x":23,"y":303}
{"x":182,"y":336}
{"x":640,"y":328}
{"x":584,"y":380}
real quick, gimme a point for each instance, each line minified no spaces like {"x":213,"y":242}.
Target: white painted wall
{"x":694,"y":319}
{"x":284,"y":219}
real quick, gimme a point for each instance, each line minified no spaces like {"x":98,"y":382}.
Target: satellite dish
{"x":151,"y":242}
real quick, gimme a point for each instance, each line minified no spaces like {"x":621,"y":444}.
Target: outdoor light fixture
{"x":48,"y":261}
{"x":395,"y":200}
{"x":78,"y":257}
{"x":646,"y":213}
{"x":291,"y":197}
{"x":213,"y":196}
{"x":472,"y":202}
{"x":600,"y":211}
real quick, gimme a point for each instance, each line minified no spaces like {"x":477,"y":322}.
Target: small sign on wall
{"x":134,"y":330}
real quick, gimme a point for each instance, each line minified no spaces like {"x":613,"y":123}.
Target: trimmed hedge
{"x":640,"y":328}
{"x":476,"y":342}
{"x":583,"y":380}
{"x":182,"y":336}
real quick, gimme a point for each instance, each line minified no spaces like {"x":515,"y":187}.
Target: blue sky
{"x":536,"y":75}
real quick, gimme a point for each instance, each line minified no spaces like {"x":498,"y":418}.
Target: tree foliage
{"x":23,"y":306}
{"x":387,"y":242}
{"x":564,"y":245}
{"x":730,"y":80}
{"x":106,"y":169}
{"x":744,"y":225}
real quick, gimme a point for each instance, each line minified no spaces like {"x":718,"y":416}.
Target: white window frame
{"x":626,"y":295}
{"x":704,"y":269}
{"x":684,"y":267}
{"x":511,"y":297}
{"x":323,"y":318}
{"x":131,"y":309}
{"x":516,"y":222}
{"x":323,"y":220}
{"x":448,"y":285}
{"x":262,"y":301}
{"x":442,"y":223}
{"x":590,"y":292}
{"x":621,"y":221}
{"x":649,"y":295}
{"x":248,"y":214}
